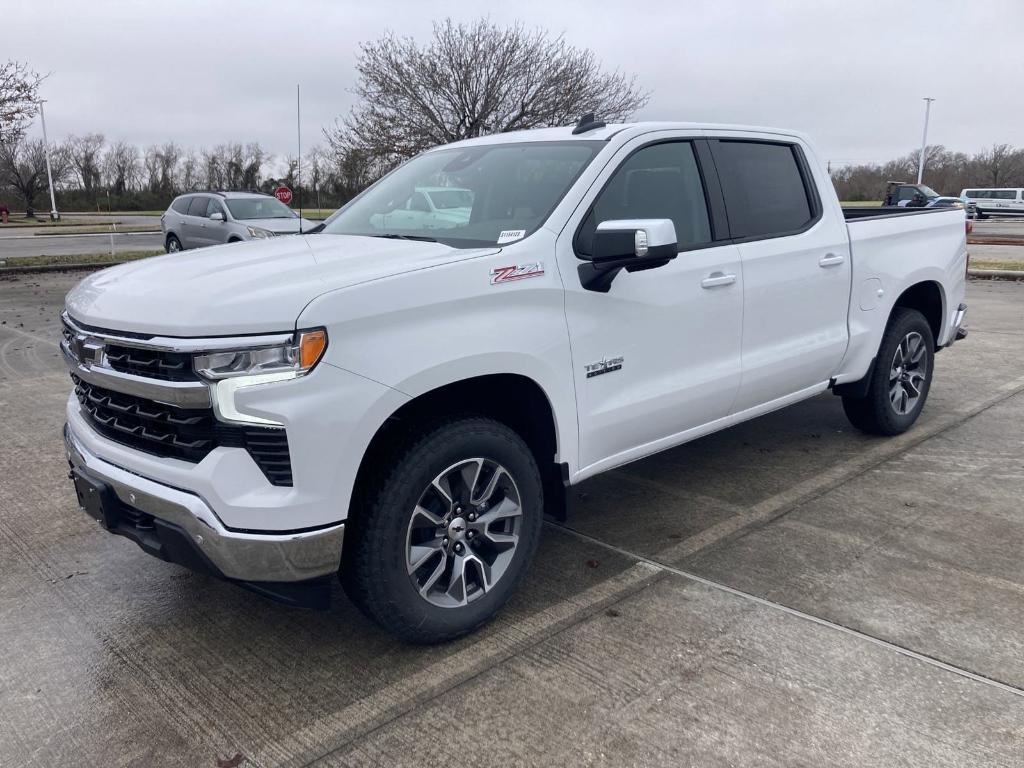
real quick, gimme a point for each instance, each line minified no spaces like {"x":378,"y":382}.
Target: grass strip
{"x":76,"y":258}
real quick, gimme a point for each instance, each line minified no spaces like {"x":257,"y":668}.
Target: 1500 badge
{"x":516,"y":272}
{"x":606,"y":365}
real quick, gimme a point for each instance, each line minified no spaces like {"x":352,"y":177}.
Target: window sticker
{"x":511,"y":235}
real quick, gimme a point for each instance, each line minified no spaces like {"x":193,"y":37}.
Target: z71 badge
{"x":516,"y":272}
{"x":607,"y":365}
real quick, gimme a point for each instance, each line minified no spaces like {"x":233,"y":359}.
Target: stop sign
{"x":283,"y":194}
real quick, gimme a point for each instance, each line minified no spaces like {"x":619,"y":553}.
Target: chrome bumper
{"x":247,"y":557}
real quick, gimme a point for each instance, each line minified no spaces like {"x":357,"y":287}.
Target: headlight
{"x":295,"y":357}
{"x":232,"y":370}
{"x":259,"y":234}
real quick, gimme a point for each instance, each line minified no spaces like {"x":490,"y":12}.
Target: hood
{"x":253,"y":287}
{"x":281,"y":226}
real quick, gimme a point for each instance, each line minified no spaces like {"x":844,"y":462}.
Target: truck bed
{"x":887,"y":211}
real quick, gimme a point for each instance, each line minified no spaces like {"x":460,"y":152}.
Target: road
{"x":787,"y":592}
{"x":60,"y":245}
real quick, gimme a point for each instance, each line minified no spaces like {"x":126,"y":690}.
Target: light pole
{"x":924,"y":138}
{"x":49,"y":174}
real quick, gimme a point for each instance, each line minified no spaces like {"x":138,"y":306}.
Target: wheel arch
{"x":512,"y":399}
{"x":928,"y":298}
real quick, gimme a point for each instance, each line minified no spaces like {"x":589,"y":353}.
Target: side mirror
{"x":216,"y":216}
{"x":630,"y":244}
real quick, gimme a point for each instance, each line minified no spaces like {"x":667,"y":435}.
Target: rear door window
{"x":766,"y":191}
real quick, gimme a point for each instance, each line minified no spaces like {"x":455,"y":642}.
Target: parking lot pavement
{"x":786,"y":592}
{"x":996,"y":252}
{"x":1000,"y":226}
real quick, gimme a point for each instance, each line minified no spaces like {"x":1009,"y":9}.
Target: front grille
{"x":151,"y":363}
{"x":187,"y":434}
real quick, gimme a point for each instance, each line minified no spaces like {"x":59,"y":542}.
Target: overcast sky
{"x":849,"y":72}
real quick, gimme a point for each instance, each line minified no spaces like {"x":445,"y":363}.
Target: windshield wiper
{"x":396,"y":236}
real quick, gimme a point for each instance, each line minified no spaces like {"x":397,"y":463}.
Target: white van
{"x":995,"y":201}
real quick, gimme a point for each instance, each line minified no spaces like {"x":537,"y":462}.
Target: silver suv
{"x":211,"y":218}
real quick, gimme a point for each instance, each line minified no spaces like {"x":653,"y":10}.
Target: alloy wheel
{"x":907,"y":373}
{"x":463,"y":532}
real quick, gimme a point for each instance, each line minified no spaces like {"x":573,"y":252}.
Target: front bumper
{"x":180,"y":527}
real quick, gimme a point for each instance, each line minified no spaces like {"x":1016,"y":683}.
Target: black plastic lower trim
{"x":171,"y":543}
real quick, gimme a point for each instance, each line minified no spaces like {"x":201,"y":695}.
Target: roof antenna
{"x":587,"y":123}
{"x":298,"y":134}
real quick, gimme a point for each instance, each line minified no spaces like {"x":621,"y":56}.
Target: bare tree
{"x":470,"y":80}
{"x":316,"y":172}
{"x":213,"y":169}
{"x":121,"y":167}
{"x":86,"y":157}
{"x":23,"y":168}
{"x":948,"y":172}
{"x":160,"y":166}
{"x":19,"y":98}
{"x":188,"y":172}
{"x":1000,"y":163}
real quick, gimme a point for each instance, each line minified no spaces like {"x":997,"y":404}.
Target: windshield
{"x":468,"y":197}
{"x":258,"y":208}
{"x":928,"y":191}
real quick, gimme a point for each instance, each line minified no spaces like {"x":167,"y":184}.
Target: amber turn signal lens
{"x":311,"y":346}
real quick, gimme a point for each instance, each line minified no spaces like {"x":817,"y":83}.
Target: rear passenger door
{"x":796,"y":268}
{"x":194,"y":230}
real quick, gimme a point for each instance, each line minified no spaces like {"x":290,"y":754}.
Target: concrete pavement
{"x":863,"y":605}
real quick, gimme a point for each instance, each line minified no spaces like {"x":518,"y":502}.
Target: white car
{"x":995,"y":202}
{"x":401,"y":407}
{"x":428,"y":208}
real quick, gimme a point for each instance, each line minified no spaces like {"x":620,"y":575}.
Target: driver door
{"x":657,"y":357}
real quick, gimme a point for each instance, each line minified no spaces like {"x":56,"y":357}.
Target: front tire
{"x":444,"y":532}
{"x":900,"y":380}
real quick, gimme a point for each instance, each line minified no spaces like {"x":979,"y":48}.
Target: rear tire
{"x":172,"y":244}
{"x":464,"y":497}
{"x":900,"y":380}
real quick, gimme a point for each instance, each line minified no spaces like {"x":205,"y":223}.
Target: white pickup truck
{"x":401,"y":406}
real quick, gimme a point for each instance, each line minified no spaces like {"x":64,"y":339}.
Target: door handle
{"x":716,"y":279}
{"x":830,"y":260}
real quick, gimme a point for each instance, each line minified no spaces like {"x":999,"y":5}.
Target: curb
{"x":997,"y":274}
{"x":29,"y":269}
{"x":77,"y":234}
{"x":994,"y":240}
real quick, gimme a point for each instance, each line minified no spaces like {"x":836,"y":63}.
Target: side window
{"x":1005,"y":194}
{"x":214,"y":207}
{"x":660,"y":181}
{"x":181,"y":205}
{"x":198,"y":206}
{"x":907,"y":193}
{"x":764,"y":188}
